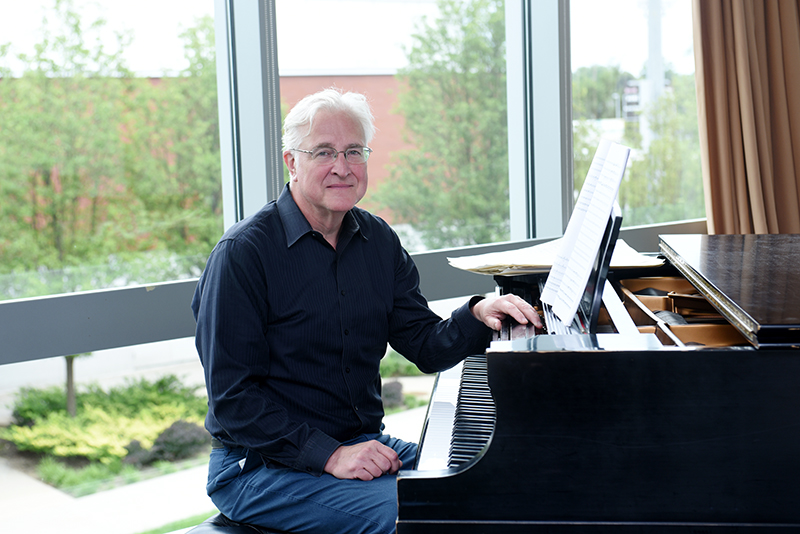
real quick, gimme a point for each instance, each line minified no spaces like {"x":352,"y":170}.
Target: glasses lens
{"x":356,"y":155}
{"x":324,"y":155}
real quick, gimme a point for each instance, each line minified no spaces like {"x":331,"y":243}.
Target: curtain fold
{"x":747,"y":60}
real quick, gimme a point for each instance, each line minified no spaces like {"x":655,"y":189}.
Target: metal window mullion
{"x":540,"y":133}
{"x":249,"y":102}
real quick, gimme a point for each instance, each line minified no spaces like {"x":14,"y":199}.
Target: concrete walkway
{"x":28,"y":505}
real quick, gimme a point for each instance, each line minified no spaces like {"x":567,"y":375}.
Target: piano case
{"x":678,"y":438}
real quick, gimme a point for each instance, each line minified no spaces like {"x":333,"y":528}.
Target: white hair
{"x":300,"y":119}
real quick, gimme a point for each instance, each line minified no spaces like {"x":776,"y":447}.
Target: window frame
{"x":249,"y":107}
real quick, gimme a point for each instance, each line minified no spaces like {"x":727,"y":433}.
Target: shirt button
{"x":346,"y":369}
{"x":342,"y":292}
{"x":347,"y":332}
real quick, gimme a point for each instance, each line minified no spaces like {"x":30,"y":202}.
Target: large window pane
{"x":633,"y":81}
{"x":109,"y":145}
{"x":435,"y":72}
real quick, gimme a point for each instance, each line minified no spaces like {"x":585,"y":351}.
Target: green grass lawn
{"x":178,"y":525}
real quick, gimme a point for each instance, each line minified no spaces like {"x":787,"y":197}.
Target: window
{"x":435,"y":74}
{"x":633,"y":81}
{"x":114,"y":170}
{"x":538,"y":114}
{"x":109,"y":166}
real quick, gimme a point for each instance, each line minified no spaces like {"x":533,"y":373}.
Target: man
{"x":294,"y":312}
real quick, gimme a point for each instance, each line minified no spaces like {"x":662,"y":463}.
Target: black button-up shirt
{"x":291,"y":332}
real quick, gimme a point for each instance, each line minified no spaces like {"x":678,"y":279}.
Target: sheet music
{"x":570,"y":237}
{"x":570,"y":273}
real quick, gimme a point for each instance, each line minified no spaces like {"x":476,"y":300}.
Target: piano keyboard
{"x":461,"y":416}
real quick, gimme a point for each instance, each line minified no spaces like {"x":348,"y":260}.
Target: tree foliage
{"x":102,"y":171}
{"x":453,"y":186}
{"x":664,"y":183}
{"x":593,"y":90}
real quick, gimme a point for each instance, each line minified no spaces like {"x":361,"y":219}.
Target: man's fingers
{"x":516,"y":307}
{"x":388,"y":460}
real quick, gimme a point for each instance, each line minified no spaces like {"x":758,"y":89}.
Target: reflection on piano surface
{"x":691,"y":427}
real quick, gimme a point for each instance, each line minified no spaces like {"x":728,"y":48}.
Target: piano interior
{"x":696,"y":429}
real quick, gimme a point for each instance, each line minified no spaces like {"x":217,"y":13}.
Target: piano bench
{"x":219,"y":524}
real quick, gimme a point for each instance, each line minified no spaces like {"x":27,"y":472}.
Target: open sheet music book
{"x":579,"y":247}
{"x":539,"y":259}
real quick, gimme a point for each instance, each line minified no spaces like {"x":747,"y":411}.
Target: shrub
{"x":94,"y":433}
{"x":182,"y":439}
{"x":131,"y":397}
{"x":395,"y":365}
{"x":105,"y":423}
{"x":32,"y":404}
{"x":392,"y":394}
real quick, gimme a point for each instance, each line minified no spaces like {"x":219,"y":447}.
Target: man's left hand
{"x":492,"y":311}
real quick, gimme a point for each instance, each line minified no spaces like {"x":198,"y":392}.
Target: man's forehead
{"x":335,"y":135}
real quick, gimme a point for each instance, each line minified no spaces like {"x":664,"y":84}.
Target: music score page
{"x":573,"y":263}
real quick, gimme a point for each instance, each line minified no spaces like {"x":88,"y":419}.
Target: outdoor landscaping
{"x":128,"y":433}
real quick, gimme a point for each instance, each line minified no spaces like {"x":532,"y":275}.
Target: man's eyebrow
{"x":330,"y":145}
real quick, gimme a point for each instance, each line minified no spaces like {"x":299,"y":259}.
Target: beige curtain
{"x":747,"y":58}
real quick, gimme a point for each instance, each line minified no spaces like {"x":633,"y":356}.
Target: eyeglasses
{"x":356,"y":155}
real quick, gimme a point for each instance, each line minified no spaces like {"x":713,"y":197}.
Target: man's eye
{"x":323,"y":153}
{"x":355,"y":152}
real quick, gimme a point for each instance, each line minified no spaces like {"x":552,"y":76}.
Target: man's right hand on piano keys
{"x":492,"y":311}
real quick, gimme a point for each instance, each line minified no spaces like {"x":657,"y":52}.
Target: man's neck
{"x":328,"y":224}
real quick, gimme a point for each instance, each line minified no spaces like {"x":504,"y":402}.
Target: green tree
{"x":596,"y":94}
{"x":453,"y":186}
{"x":172,"y":162}
{"x":593,"y":90}
{"x":665,"y":182}
{"x":60,"y":148}
{"x":106,"y":179}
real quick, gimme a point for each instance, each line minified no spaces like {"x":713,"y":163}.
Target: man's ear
{"x":291,"y":164}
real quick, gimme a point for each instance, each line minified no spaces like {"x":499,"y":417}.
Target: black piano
{"x":690,"y":425}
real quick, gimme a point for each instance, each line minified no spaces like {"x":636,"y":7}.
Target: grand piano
{"x":690,"y":424}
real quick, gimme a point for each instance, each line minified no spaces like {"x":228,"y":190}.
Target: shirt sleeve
{"x":416,"y":332}
{"x":230,"y":308}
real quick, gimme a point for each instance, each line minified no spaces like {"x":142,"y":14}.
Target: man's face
{"x":324,"y":192}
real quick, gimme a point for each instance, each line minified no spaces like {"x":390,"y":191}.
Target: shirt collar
{"x":296,"y":226}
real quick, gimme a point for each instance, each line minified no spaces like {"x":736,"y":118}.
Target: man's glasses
{"x":356,"y":155}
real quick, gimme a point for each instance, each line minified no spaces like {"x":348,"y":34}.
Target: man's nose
{"x":340,"y":164}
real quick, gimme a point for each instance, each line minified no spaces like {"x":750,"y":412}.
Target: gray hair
{"x":298,"y":122}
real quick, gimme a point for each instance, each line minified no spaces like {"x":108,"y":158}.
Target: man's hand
{"x":363,"y":461}
{"x":492,"y":311}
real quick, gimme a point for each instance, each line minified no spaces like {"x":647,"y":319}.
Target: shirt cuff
{"x":315,"y":454}
{"x":471,"y":325}
{"x":474,"y":300}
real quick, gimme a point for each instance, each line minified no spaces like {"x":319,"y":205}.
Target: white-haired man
{"x":294,"y":312}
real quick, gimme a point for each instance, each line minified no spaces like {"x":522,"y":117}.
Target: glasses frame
{"x":367,"y":151}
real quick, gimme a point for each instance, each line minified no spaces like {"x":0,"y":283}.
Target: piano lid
{"x":753,"y":280}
